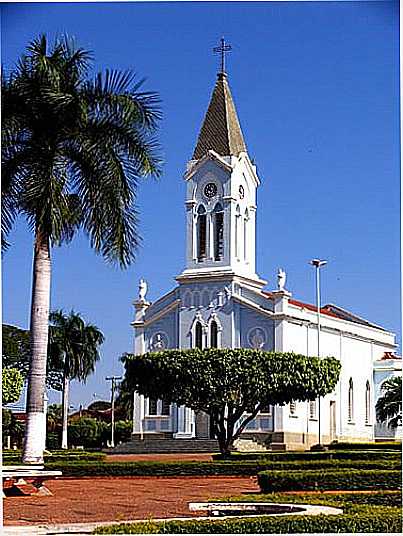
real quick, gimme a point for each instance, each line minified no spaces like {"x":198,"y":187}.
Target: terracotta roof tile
{"x":390,"y":355}
{"x":331,"y":310}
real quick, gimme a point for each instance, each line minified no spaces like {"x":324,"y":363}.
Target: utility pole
{"x":318,"y":263}
{"x":113,"y":380}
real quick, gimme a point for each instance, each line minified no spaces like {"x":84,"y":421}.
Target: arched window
{"x":245,"y":235}
{"x":237,"y":232}
{"x":198,"y":336}
{"x":218,"y":232}
{"x":213,"y":334}
{"x":367,"y":403}
{"x":350,"y":400}
{"x":201,"y":233}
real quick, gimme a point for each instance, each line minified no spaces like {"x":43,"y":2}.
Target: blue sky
{"x":316,"y":85}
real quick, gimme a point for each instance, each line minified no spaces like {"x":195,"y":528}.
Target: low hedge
{"x":91,"y":468}
{"x":349,"y":479}
{"x":384,"y":445}
{"x":58,"y":456}
{"x":359,"y":519}
{"x":311,"y":455}
{"x":375,"y":498}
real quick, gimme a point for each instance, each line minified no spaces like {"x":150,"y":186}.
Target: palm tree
{"x":73,"y":150}
{"x":54,"y":417}
{"x":75,"y":345}
{"x":389,"y":405}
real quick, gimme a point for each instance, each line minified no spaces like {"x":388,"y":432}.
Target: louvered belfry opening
{"x":218,"y":232}
{"x":201,"y":234}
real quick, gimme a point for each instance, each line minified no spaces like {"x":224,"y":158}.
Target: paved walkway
{"x":99,"y":499}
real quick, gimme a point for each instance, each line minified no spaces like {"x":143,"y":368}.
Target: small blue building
{"x":220,"y":301}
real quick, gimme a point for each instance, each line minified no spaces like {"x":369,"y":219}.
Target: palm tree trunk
{"x":65,"y":409}
{"x":35,"y":430}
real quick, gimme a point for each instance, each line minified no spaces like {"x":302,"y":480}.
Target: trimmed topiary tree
{"x":12,"y":383}
{"x":230,"y":385}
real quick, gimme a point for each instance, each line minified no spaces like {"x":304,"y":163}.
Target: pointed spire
{"x":221,"y":130}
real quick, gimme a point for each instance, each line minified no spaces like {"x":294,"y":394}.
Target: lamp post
{"x":113,"y":380}
{"x":318,"y":263}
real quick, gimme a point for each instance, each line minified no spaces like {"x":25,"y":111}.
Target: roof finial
{"x":222,"y":49}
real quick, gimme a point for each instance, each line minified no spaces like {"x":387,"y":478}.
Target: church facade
{"x":220,"y":301}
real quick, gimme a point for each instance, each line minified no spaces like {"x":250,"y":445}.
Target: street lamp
{"x":113,"y":380}
{"x":318,"y":263}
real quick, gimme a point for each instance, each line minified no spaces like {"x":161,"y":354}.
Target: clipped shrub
{"x":375,"y":498}
{"x":81,"y":468}
{"x":384,"y":445}
{"x":12,"y":384}
{"x":381,"y":519}
{"x":62,"y":459}
{"x":351,"y":479}
{"x":309,"y":455}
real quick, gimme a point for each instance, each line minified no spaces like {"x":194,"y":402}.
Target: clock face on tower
{"x":210,"y":190}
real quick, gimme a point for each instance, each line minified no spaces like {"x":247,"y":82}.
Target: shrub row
{"x":310,"y":455}
{"x":60,"y":456}
{"x":384,"y":445}
{"x":351,"y":479}
{"x":381,"y":519}
{"x":59,"y":452}
{"x":88,"y":468}
{"x":377,"y":498}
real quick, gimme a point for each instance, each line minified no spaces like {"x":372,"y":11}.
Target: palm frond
{"x":74,"y":343}
{"x":74,"y":149}
{"x":389,"y":405}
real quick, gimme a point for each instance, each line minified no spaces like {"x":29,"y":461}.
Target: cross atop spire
{"x":222,"y":49}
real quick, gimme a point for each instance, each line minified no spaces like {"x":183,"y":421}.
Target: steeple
{"x":221,"y":195}
{"x":221,"y":130}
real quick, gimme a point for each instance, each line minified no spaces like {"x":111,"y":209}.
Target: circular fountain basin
{"x":242,"y":509}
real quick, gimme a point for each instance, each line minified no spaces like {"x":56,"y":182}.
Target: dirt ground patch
{"x":85,"y":500}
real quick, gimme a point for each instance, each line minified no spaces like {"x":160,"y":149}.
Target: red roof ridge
{"x":390,"y":355}
{"x":326,"y":311}
{"x":311,"y":307}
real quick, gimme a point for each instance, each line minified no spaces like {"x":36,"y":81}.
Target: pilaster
{"x":281,"y":299}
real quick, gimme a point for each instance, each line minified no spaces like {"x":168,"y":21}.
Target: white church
{"x":220,"y":301}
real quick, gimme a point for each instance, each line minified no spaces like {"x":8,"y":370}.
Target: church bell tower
{"x":221,"y":194}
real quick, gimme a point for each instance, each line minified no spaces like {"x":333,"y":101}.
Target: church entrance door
{"x":202,"y":421}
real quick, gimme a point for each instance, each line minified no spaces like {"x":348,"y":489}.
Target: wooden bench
{"x":26,"y":480}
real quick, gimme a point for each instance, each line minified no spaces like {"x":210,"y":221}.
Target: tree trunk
{"x":35,"y":430}
{"x":65,"y":410}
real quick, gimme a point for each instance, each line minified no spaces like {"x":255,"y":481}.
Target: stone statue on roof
{"x":142,"y":289}
{"x":281,"y":279}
